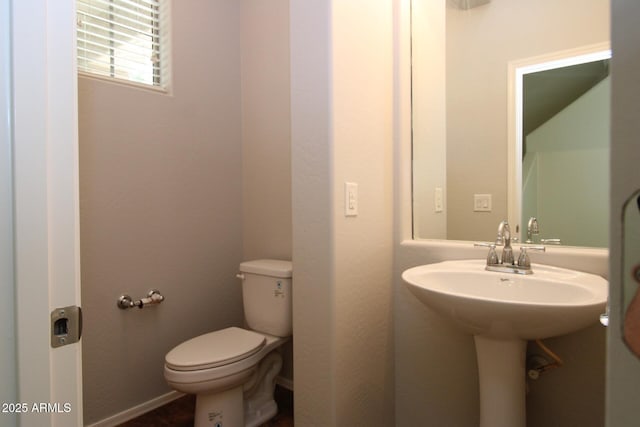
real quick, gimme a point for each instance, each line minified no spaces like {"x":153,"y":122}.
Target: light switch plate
{"x":482,"y":202}
{"x":350,"y":199}
{"x":438,"y":200}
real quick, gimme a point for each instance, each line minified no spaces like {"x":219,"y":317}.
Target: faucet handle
{"x":523,"y":259}
{"x":551,"y":241}
{"x":485,"y":244}
{"x":492,"y":256}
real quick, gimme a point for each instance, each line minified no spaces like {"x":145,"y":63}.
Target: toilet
{"x":232,"y":371}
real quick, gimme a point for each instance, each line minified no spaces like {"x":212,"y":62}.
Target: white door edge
{"x":46,"y":233}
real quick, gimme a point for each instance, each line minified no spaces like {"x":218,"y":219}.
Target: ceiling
{"x":546,"y":93}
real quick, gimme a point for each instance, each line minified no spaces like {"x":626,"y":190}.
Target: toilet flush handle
{"x":240,"y":276}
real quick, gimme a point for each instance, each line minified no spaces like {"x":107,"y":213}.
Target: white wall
{"x":341,"y":111}
{"x":435,"y":367}
{"x":161,"y":207}
{"x":362,"y":100}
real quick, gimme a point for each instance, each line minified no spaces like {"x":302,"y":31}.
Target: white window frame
{"x":161,"y":81}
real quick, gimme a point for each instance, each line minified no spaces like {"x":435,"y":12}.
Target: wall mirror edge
{"x":567,"y":249}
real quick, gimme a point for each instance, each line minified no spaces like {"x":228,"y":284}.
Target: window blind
{"x":120,"y":39}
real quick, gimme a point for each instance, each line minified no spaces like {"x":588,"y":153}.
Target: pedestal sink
{"x":503,"y":311}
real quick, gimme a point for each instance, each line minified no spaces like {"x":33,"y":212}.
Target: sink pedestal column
{"x":501,"y":370}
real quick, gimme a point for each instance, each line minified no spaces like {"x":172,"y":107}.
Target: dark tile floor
{"x":179,"y":413}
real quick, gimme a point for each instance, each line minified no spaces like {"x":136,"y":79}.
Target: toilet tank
{"x":266,"y":295}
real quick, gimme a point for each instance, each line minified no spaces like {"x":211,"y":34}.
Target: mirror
{"x":467,"y":176}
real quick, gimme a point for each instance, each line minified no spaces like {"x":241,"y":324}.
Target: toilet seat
{"x":221,"y":377}
{"x":215,"y":349}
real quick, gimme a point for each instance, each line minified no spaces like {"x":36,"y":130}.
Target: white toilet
{"x":232,"y":371}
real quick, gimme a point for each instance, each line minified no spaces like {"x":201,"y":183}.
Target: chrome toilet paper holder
{"x":153,"y":297}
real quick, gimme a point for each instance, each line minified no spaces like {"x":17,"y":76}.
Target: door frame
{"x":7,"y":306}
{"x":623,"y":368}
{"x":46,"y":207}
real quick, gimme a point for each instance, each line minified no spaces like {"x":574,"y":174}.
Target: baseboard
{"x":157,"y":402}
{"x":138,"y":410}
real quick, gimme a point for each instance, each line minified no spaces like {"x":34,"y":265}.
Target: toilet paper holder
{"x":153,"y":297}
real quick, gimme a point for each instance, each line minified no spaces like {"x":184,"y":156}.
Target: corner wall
{"x":341,"y":108}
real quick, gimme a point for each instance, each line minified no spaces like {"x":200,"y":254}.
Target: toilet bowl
{"x":211,"y":366}
{"x":232,"y":371}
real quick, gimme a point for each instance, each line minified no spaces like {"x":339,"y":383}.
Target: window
{"x":122,"y":39}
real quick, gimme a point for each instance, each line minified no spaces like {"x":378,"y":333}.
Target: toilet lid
{"x":215,"y":349}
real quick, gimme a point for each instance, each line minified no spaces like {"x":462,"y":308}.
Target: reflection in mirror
{"x":561,"y":172}
{"x":461,"y":125}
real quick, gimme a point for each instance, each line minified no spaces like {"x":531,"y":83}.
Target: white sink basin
{"x":551,"y":301}
{"x":503,"y":311}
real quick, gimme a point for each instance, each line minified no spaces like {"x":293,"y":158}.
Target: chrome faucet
{"x":504,"y":239}
{"x":533,"y":229}
{"x":506,"y":263}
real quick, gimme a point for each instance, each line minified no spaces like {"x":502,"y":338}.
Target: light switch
{"x":438,"y":200}
{"x":350,"y":199}
{"x":482,"y":202}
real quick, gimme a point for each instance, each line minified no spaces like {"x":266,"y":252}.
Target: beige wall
{"x":429,"y":125}
{"x":341,"y":77}
{"x":161,"y":207}
{"x":183,"y":204}
{"x":266,"y":147}
{"x":266,"y":140}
